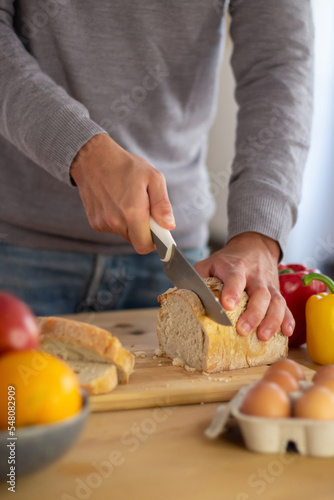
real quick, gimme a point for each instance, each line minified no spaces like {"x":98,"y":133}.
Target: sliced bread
{"x":94,"y":377}
{"x":97,"y":356}
{"x":185,"y":332}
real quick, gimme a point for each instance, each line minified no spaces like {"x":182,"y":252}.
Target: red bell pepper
{"x":296,"y":295}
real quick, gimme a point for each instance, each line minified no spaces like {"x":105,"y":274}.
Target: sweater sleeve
{"x":272,"y":61}
{"x":36,"y":115}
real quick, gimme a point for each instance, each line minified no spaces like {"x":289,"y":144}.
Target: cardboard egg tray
{"x":273,"y":435}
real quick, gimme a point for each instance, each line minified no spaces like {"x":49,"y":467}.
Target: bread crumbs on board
{"x":178,"y":362}
{"x":189,"y":368}
{"x":140,"y":354}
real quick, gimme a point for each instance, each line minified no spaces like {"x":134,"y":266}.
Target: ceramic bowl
{"x":37,"y":446}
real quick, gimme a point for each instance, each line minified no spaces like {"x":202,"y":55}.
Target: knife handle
{"x":163,"y":240}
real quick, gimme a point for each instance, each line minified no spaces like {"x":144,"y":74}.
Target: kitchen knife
{"x":183,"y":275}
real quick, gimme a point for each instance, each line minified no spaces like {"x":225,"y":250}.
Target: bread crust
{"x":222,"y":348}
{"x":91,"y":337}
{"x":104,"y":383}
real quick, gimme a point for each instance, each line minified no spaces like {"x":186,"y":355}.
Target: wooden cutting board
{"x":155,"y":381}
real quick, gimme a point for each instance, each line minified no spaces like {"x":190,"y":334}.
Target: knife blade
{"x":183,"y":275}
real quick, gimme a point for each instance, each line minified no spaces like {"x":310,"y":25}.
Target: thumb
{"x":160,"y":206}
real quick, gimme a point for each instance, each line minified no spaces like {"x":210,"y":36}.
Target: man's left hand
{"x":249,"y":262}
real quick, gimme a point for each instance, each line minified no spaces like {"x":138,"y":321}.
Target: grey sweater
{"x":145,"y":72}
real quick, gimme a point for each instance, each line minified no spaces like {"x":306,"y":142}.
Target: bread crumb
{"x":216,"y":379}
{"x":140,"y":354}
{"x":154,"y":357}
{"x":158,"y":352}
{"x":204,"y":373}
{"x":190,"y":368}
{"x":178,"y":362}
{"x":160,"y":364}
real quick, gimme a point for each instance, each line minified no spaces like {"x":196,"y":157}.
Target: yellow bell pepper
{"x":320,"y":321}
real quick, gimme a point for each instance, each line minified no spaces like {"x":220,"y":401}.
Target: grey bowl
{"x":37,"y":446}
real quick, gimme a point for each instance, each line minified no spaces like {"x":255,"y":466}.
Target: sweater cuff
{"x":63,"y":135}
{"x":270,"y":216}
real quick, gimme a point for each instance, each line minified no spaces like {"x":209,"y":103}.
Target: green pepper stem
{"x":285,"y":271}
{"x":308,"y":278}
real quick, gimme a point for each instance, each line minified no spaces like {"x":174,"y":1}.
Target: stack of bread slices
{"x":93,"y":353}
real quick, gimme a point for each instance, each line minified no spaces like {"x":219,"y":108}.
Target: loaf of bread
{"x":185,"y":332}
{"x":94,"y":354}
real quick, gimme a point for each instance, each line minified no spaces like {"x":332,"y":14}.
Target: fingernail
{"x":246,"y":327}
{"x":230,"y":302}
{"x":289,"y":330}
{"x":266,"y":334}
{"x":169,"y":219}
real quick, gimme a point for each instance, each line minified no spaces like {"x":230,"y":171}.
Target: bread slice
{"x":94,"y":353}
{"x":185,"y":332}
{"x":95,"y":378}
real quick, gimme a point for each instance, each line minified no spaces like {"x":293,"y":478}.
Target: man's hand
{"x":119,"y":191}
{"x":249,"y":262}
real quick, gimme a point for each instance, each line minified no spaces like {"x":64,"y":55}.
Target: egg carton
{"x":273,"y":435}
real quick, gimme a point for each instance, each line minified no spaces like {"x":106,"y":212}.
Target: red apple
{"x":18,"y":326}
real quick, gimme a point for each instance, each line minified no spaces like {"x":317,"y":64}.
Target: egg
{"x":324,"y":372}
{"x":282,"y":378}
{"x":326,"y":382}
{"x":266,"y":399}
{"x":316,"y":402}
{"x":290,"y":366}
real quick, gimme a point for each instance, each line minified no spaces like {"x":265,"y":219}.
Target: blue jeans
{"x":55,"y":282}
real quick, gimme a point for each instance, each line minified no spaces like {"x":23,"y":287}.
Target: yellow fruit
{"x":46,"y":389}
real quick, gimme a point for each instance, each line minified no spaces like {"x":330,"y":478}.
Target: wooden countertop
{"x":162,"y":453}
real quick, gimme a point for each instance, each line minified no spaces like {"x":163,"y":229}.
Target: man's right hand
{"x":119,"y":191}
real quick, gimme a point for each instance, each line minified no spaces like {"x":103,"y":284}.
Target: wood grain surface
{"x":162,"y":453}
